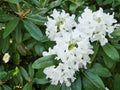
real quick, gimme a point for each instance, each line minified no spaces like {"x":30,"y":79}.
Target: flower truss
{"x":73,"y":41}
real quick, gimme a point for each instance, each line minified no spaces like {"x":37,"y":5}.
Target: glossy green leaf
{"x":87,"y":85}
{"x":41,"y":81}
{"x":100,"y":70}
{"x":18,"y":34}
{"x":108,"y":61}
{"x":10,"y":27}
{"x":24,"y":73}
{"x":44,"y":62}
{"x":40,"y":74}
{"x":111,"y":52}
{"x":94,"y":79}
{"x":39,"y":49}
{"x":34,"y":31}
{"x":30,"y":70}
{"x":117,"y":82}
{"x":28,"y":86}
{"x":37,"y":19}
{"x":77,"y":84}
{"x":5,"y":87}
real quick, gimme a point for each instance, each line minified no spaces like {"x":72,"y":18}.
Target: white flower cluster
{"x":73,"y":41}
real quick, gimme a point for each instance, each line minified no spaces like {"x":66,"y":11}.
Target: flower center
{"x":73,"y":45}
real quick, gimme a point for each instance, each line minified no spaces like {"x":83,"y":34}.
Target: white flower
{"x":59,"y":23}
{"x":6,"y":57}
{"x":73,"y":39}
{"x":96,"y":25}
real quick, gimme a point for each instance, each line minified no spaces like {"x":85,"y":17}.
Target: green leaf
{"x":87,"y":85}
{"x":14,"y":1}
{"x":73,"y":8}
{"x":40,"y":74}
{"x":5,"y":87}
{"x":39,"y":49}
{"x":6,"y":17}
{"x":94,"y":79}
{"x":107,"y":2}
{"x":111,"y":52}
{"x":28,"y":86}
{"x":21,"y":49}
{"x":52,"y":87}
{"x":34,"y":31}
{"x":44,"y":62}
{"x":64,"y":87}
{"x":24,"y":73}
{"x":37,"y":19}
{"x":100,"y":70}
{"x":99,"y":2}
{"x":41,"y":81}
{"x":18,"y":34}
{"x":2,"y":74}
{"x":108,"y":61}
{"x":116,"y":32}
{"x":31,"y":70}
{"x":77,"y":84}
{"x":5,"y":44}
{"x":117,"y":82}
{"x":10,"y":27}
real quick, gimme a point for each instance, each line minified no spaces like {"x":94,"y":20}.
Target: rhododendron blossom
{"x":73,"y":41}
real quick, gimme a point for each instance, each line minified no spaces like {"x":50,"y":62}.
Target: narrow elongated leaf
{"x":100,"y":70}
{"x":34,"y":31}
{"x":10,"y":27}
{"x":41,"y":81}
{"x":94,"y":79}
{"x":24,"y":73}
{"x":117,"y":82}
{"x":111,"y":52}
{"x":5,"y":44}
{"x":18,"y":34}
{"x":6,"y":17}
{"x":44,"y":62}
{"x":5,"y":87}
{"x":37,"y":19}
{"x":31,"y":70}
